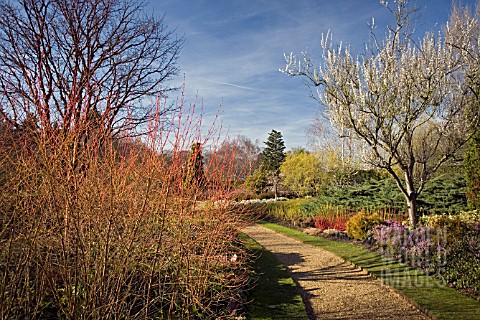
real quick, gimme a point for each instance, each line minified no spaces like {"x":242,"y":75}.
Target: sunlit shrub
{"x":97,"y":227}
{"x":421,"y":247}
{"x":462,"y":268}
{"x":439,"y":219}
{"x":332,"y":217}
{"x":309,"y":212}
{"x":449,"y":247}
{"x":291,"y":211}
{"x":360,"y":225}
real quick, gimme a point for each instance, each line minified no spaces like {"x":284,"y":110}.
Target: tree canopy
{"x":472,"y":171}
{"x":463,"y":36}
{"x":273,"y":155}
{"x":302,"y":173}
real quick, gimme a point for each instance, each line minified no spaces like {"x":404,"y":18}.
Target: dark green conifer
{"x":195,"y":171}
{"x":272,"y":158}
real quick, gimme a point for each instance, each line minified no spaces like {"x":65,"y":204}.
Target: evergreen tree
{"x":472,"y":171}
{"x":195,"y":172}
{"x":272,"y":158}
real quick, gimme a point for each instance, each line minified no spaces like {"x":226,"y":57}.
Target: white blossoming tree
{"x":462,"y":34}
{"x":404,"y":99}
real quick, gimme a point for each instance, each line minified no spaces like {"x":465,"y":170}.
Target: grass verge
{"x":275,"y":295}
{"x":439,"y":300}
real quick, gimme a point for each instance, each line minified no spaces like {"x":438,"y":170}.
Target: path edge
{"x":401,"y":294}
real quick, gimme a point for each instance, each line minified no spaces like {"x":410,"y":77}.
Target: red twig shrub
{"x":332,"y":222}
{"x":96,"y":227}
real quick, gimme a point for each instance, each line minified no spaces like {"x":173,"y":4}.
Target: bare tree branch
{"x":64,"y":59}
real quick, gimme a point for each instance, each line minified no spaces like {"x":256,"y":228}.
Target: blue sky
{"x":234,"y":48}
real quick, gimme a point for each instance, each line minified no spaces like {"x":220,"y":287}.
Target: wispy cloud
{"x":233,"y":51}
{"x":230,"y":84}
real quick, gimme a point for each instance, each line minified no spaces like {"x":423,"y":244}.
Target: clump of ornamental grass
{"x":100,"y":227}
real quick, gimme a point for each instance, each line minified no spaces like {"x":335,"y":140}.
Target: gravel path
{"x":330,"y":287}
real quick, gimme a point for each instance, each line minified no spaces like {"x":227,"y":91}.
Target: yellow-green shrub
{"x":441,"y":219}
{"x":359,"y":225}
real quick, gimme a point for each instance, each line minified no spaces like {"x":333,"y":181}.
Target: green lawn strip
{"x":275,"y":295}
{"x":437,"y":299}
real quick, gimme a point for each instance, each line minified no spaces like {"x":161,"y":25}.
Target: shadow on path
{"x":332,"y":288}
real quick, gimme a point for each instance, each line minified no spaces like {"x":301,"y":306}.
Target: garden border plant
{"x":304,"y":213}
{"x":101,"y":227}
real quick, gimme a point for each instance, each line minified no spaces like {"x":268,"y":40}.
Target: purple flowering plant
{"x":421,"y":247}
{"x":448,"y":247}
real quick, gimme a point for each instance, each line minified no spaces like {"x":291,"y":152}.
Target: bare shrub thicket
{"x":111,"y":228}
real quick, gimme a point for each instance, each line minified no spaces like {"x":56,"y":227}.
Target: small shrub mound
{"x":360,"y":225}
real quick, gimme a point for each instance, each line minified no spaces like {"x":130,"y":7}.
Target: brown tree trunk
{"x":412,"y":209}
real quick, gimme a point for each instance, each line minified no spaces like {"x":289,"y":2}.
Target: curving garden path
{"x":330,"y":287}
